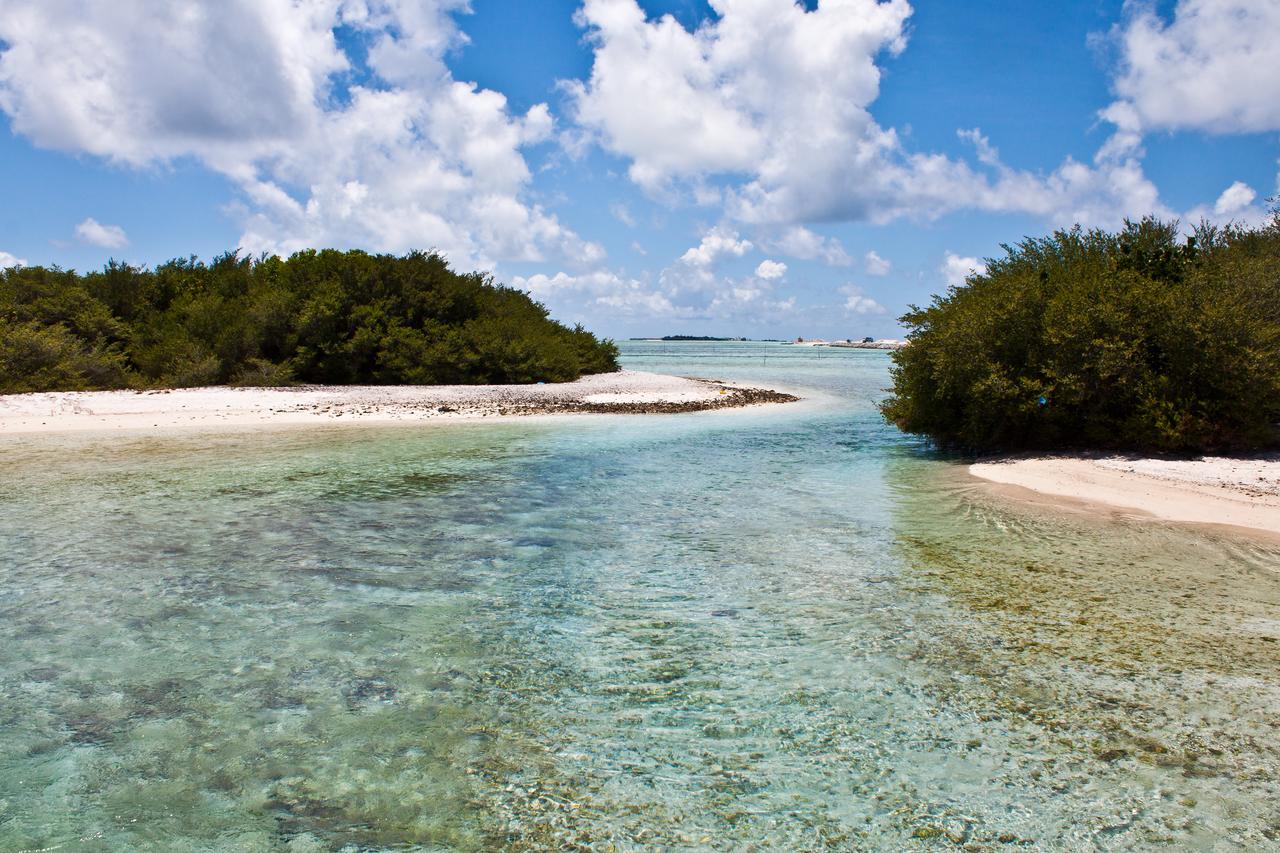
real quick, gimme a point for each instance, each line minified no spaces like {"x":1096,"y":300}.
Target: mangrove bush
{"x":318,"y":317}
{"x":1143,"y":340}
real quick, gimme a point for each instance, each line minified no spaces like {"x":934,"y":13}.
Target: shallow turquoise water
{"x":789,"y":626}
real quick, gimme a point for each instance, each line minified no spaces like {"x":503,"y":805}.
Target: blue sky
{"x":748,"y":167}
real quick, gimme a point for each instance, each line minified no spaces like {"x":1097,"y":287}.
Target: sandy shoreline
{"x":1243,"y":493}
{"x":624,"y":392}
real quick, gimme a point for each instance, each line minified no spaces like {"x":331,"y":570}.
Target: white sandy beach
{"x":626,"y":391}
{"x":1211,"y":490}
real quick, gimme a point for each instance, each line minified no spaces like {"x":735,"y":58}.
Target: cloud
{"x":716,"y":243}
{"x":378,"y":148}
{"x":643,"y":303}
{"x":7,"y":261}
{"x":695,"y":270}
{"x":93,"y":232}
{"x":599,"y":281}
{"x":956,"y":269}
{"x":747,"y":301}
{"x":603,"y":289}
{"x":986,"y":152}
{"x":771,"y":270}
{"x":681,"y":104}
{"x":799,"y":242}
{"x":1238,"y":204}
{"x":1212,"y":67}
{"x":876,"y":265}
{"x":857,"y":302}
{"x":760,"y":90}
{"x":771,"y":99}
{"x":137,"y":81}
{"x":1234,"y":199}
{"x":690,"y":287}
{"x":623,"y":214}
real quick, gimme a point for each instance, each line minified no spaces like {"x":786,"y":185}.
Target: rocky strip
{"x":732,"y":398}
{"x":624,"y":392}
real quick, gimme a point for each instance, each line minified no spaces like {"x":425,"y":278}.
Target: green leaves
{"x":36,"y":357}
{"x":328,"y":317}
{"x":1137,"y":340}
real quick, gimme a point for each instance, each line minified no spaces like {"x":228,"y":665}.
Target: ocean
{"x":788,"y":627}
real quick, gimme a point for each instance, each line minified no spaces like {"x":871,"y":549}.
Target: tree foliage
{"x":319,"y":317}
{"x":1136,"y":340}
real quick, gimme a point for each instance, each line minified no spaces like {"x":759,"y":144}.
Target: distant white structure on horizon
{"x":870,"y":343}
{"x":865,"y":343}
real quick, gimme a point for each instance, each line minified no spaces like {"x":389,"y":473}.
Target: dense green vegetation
{"x":1137,"y":340}
{"x":318,"y":317}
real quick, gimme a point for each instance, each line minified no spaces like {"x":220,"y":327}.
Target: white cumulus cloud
{"x":94,"y":233}
{"x":1238,"y":204}
{"x":598,"y":281}
{"x":384,"y":150}
{"x":640,"y":302}
{"x":716,"y":243}
{"x":690,"y":287}
{"x":773,"y":98}
{"x":955,"y":268}
{"x":749,"y":302}
{"x":1235,"y":199}
{"x":761,"y":90}
{"x":800,"y":242}
{"x":876,"y":265}
{"x":7,"y":260}
{"x":1212,"y":67}
{"x":601,"y":288}
{"x":770,"y":270}
{"x":857,"y":302}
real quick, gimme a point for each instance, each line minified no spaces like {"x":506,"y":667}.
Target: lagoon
{"x":789,"y":626}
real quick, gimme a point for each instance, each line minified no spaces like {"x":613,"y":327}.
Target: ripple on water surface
{"x":790,"y":627}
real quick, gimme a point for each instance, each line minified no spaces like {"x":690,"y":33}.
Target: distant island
{"x":321,"y":317}
{"x":689,"y":338}
{"x":1138,"y":340}
{"x":848,"y":343}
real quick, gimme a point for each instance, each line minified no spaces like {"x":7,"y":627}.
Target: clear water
{"x":789,"y":627}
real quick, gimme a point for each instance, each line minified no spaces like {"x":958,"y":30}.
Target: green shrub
{"x":319,"y":317}
{"x":35,"y":357}
{"x":1137,"y":340}
{"x":260,"y":373}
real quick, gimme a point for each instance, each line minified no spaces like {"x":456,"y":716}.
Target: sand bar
{"x":1210,"y":490}
{"x":625,"y":392}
